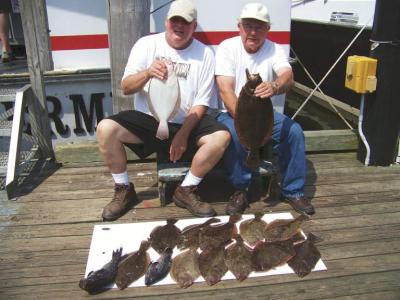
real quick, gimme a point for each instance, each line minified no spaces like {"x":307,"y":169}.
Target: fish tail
{"x":253,"y":159}
{"x":235,"y":218}
{"x":162,"y":131}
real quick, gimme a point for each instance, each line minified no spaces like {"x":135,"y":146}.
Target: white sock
{"x":121,"y":178}
{"x":190,"y":179}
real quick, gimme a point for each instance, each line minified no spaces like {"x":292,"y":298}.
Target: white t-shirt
{"x":232,"y":60}
{"x":194,"y":67}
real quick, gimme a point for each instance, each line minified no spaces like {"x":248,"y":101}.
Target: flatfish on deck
{"x":159,"y":269}
{"x":270,"y":255}
{"x":282,"y":229}
{"x":164,"y":100}
{"x":98,"y":281}
{"x":252,"y":230}
{"x":212,"y":264}
{"x":307,"y":256}
{"x":166,"y":236}
{"x":190,"y":234}
{"x":133,"y":266}
{"x":185,"y":268}
{"x":254,"y":119}
{"x":213,"y":236}
{"x":238,"y":259}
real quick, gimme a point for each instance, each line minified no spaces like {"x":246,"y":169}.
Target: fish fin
{"x":162,"y":131}
{"x":253,"y":159}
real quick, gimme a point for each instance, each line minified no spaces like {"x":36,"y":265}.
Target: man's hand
{"x":266,"y":89}
{"x":158,"y":69}
{"x":178,"y":146}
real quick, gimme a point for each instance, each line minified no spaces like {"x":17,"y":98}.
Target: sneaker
{"x":301,"y":205}
{"x":237,"y":203}
{"x":124,"y":199}
{"x":187,"y":197}
{"x":7,"y":57}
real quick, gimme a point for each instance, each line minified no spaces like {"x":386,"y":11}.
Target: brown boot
{"x":124,"y":199}
{"x":187,"y":197}
{"x":237,"y":203}
{"x":301,"y":205}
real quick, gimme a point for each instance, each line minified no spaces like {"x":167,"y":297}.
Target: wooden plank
{"x":127,"y":21}
{"x":34,"y":20}
{"x":386,"y":295}
{"x":373,"y":273}
{"x":331,"y":140}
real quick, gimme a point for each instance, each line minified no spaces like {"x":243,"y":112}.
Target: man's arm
{"x":282,"y":84}
{"x":179,"y":142}
{"x":135,"y":82}
{"x":226,"y":87}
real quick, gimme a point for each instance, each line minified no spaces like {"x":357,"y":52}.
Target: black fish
{"x":159,"y":269}
{"x":98,"y":281}
{"x":254,"y":119}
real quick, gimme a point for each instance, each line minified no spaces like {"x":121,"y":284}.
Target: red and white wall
{"x":78,"y":29}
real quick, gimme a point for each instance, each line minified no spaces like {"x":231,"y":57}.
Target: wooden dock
{"x":46,"y":231}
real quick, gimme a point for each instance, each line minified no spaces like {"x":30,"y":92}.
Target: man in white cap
{"x":192,"y":132}
{"x":251,"y":50}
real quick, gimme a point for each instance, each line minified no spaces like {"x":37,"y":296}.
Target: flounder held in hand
{"x":254,"y":119}
{"x":159,"y":269}
{"x":281,"y":229}
{"x":166,"y":236}
{"x":98,"y":281}
{"x":133,"y":266}
{"x":190,"y":234}
{"x":238,"y":259}
{"x":185,"y":268}
{"x":252,"y":230}
{"x":164,"y":100}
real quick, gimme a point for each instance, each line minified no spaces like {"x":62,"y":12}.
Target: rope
{"x":319,"y":89}
{"x":333,"y":66}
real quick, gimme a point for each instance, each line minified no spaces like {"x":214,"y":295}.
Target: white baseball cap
{"x":256,"y":11}
{"x":184,"y":9}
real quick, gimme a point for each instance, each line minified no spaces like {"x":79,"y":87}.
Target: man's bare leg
{"x":111,"y":137}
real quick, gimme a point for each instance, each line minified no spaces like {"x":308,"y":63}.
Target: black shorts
{"x":5,"y":6}
{"x":145,"y":127}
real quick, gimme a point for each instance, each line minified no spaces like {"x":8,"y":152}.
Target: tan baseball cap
{"x":184,"y":9}
{"x":256,"y":11}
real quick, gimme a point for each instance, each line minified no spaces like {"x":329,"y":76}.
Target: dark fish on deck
{"x":166,"y":236}
{"x":185,"y":268}
{"x":212,"y":264}
{"x":307,"y":256}
{"x":270,"y":255}
{"x":254,"y":119}
{"x":280,"y":229}
{"x":159,"y":269}
{"x":238,"y":259}
{"x":252,"y":230}
{"x":133,"y":266}
{"x":98,"y":281}
{"x":190,"y":235}
{"x":213,"y":236}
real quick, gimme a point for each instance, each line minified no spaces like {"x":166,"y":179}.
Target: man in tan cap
{"x":192,"y":133}
{"x":251,"y":50}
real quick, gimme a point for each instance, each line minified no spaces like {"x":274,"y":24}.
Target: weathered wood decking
{"x":45,"y":234}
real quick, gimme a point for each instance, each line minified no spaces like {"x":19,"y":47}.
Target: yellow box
{"x":361,"y":74}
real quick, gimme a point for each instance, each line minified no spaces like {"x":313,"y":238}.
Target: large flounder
{"x":238,"y":259}
{"x":164,"y":100}
{"x":254,"y":119}
{"x":185,"y":268}
{"x":166,"y":236}
{"x":133,"y":266}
